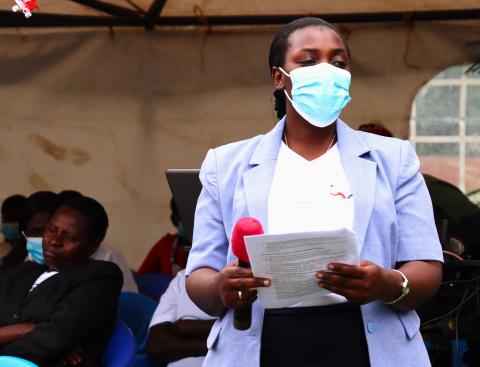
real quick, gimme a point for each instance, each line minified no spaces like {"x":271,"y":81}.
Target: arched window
{"x":445,"y":127}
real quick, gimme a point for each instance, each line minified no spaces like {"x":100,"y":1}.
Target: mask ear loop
{"x":284,"y":72}
{"x":24,"y":235}
{"x":284,"y":91}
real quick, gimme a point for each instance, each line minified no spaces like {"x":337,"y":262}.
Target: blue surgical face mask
{"x":319,"y":92}
{"x":10,"y":231}
{"x":183,"y":242}
{"x":181,"y":229}
{"x":35,"y":250}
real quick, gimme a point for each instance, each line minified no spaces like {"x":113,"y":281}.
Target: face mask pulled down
{"x":319,"y":92}
{"x":35,"y":250}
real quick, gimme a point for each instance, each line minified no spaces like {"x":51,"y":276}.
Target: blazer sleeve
{"x":210,"y":243}
{"x":417,"y":235}
{"x":82,"y":312}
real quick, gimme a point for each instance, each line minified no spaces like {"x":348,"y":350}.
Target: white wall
{"x":106,"y":114}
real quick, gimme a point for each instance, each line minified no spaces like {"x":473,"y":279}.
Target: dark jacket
{"x":74,"y":308}
{"x":16,"y":256}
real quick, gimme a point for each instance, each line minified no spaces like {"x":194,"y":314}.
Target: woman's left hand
{"x":361,"y":283}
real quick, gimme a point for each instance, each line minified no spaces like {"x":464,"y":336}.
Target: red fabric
{"x":376,"y":129}
{"x":31,"y":5}
{"x":158,"y":259}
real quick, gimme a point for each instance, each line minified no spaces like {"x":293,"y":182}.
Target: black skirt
{"x":323,"y":336}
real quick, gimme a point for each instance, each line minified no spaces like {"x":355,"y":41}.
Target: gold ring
{"x":240,"y":295}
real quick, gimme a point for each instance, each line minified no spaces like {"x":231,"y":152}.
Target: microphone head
{"x":246,"y":226}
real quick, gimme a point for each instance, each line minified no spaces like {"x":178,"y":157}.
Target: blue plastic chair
{"x":142,"y":360}
{"x":153,"y":284}
{"x":6,"y":361}
{"x":457,"y":353}
{"x":121,"y":348}
{"x":136,"y":310}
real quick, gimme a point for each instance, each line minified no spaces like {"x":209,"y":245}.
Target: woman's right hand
{"x":237,"y":287}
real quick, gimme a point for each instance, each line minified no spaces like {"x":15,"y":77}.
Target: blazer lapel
{"x":361,"y":174}
{"x":360,"y":171}
{"x":46,"y":284}
{"x":258,"y":180}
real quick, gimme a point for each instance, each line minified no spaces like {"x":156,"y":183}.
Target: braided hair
{"x":279,"y":46}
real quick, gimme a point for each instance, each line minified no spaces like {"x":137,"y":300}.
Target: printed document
{"x":292,"y":260}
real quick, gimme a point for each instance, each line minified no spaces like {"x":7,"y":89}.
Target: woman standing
{"x":312,"y":172}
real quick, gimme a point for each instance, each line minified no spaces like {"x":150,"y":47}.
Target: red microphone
{"x":247,"y":226}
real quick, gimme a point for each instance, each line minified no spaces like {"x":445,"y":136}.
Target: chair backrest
{"x":7,"y":361}
{"x":153,"y":284}
{"x":121,"y":348}
{"x":136,"y":310}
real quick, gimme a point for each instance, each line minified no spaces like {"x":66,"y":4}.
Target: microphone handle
{"x":242,"y":318}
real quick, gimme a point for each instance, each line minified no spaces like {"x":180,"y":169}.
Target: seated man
{"x":179,"y":329}
{"x":67,"y":306}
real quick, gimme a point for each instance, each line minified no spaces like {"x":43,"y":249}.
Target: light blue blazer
{"x":393,"y":223}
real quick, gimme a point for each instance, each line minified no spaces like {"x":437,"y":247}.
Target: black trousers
{"x":325,"y":336}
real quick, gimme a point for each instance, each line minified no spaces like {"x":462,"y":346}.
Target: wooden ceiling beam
{"x":108,"y":8}
{"x":48,"y":20}
{"x":153,"y":13}
{"x":461,"y":14}
{"x":9,"y":19}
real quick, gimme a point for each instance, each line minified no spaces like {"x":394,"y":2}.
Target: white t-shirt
{"x":43,"y":277}
{"x":176,"y":305}
{"x":310,"y":196}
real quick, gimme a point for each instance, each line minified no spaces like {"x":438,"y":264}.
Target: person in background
{"x":5,"y":248}
{"x":179,"y":329}
{"x":107,"y":253}
{"x":449,"y":203}
{"x":68,"y":305}
{"x":12,"y":249}
{"x":11,"y":210}
{"x":376,"y":127}
{"x":170,"y":253}
{"x":450,"y":199}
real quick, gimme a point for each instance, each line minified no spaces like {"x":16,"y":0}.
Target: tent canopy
{"x":151,"y":13}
